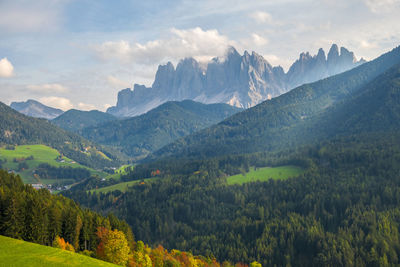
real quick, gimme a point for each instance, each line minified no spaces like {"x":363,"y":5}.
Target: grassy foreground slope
{"x":15,"y":252}
{"x":266,"y":173}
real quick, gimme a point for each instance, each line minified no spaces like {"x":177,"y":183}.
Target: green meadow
{"x":120,"y":171}
{"x":17,"y":253}
{"x":40,"y":154}
{"x":122,"y":186}
{"x":266,"y":173}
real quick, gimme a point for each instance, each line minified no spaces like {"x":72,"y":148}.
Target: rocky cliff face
{"x":239,"y":80}
{"x":36,"y":109}
{"x":312,"y":68}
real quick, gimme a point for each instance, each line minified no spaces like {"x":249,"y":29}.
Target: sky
{"x":80,"y":53}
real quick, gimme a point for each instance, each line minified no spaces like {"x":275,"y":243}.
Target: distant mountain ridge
{"x":313,"y":68}
{"x":36,"y":109}
{"x":362,"y":100}
{"x":141,"y":135}
{"x":238,"y":80}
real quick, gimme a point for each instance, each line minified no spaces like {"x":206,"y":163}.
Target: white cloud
{"x":29,"y":16}
{"x":84,"y":106}
{"x":259,"y":40}
{"x":379,"y":6}
{"x":6,"y":68}
{"x":115,"y":82}
{"x":274,"y":60}
{"x":261,"y":17}
{"x":367,"y":44}
{"x":197,"y":43}
{"x":57,"y":102}
{"x":106,"y":106}
{"x":47,"y":88}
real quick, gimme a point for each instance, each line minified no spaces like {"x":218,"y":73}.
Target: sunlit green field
{"x":119,"y":172}
{"x":266,"y":173}
{"x":41,"y":154}
{"x":15,"y":252}
{"x":122,"y":186}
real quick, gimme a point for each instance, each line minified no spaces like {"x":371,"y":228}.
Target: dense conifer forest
{"x":344,"y":211}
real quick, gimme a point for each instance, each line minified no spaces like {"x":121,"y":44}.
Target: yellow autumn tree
{"x":140,"y":257}
{"x":113,"y":246}
{"x":255,"y":264}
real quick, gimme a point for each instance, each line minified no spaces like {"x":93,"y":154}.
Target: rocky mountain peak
{"x":347,"y":56}
{"x":239,"y":80}
{"x":164,"y":76}
{"x":333,"y":53}
{"x":321,"y":55}
{"x":188,"y":79}
{"x":188,"y":63}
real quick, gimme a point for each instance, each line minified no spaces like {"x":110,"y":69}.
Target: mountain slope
{"x":374,"y":108}
{"x":36,"y":109}
{"x":18,"y":129}
{"x":75,"y":120}
{"x":238,"y":80}
{"x":141,"y":135}
{"x":282,"y":121}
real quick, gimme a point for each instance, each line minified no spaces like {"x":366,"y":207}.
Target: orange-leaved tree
{"x":59,"y":242}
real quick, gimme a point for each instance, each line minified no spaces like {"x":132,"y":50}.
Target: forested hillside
{"x":138,"y":136}
{"x":18,"y":129}
{"x":39,"y":217}
{"x":75,"y":120}
{"x":295,"y":117}
{"x":343,"y":211}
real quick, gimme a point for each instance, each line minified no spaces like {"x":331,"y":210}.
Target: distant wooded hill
{"x":139,"y":136}
{"x":75,"y":120}
{"x":18,"y":129}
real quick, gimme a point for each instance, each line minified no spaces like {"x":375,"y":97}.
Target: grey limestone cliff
{"x":239,"y":80}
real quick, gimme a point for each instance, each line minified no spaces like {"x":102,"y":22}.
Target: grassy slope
{"x":264,"y":174}
{"x":15,"y":252}
{"x":41,"y":154}
{"x":121,"y":186}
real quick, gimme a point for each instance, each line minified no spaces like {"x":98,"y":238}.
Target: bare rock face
{"x":239,"y":80}
{"x":312,"y":68}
